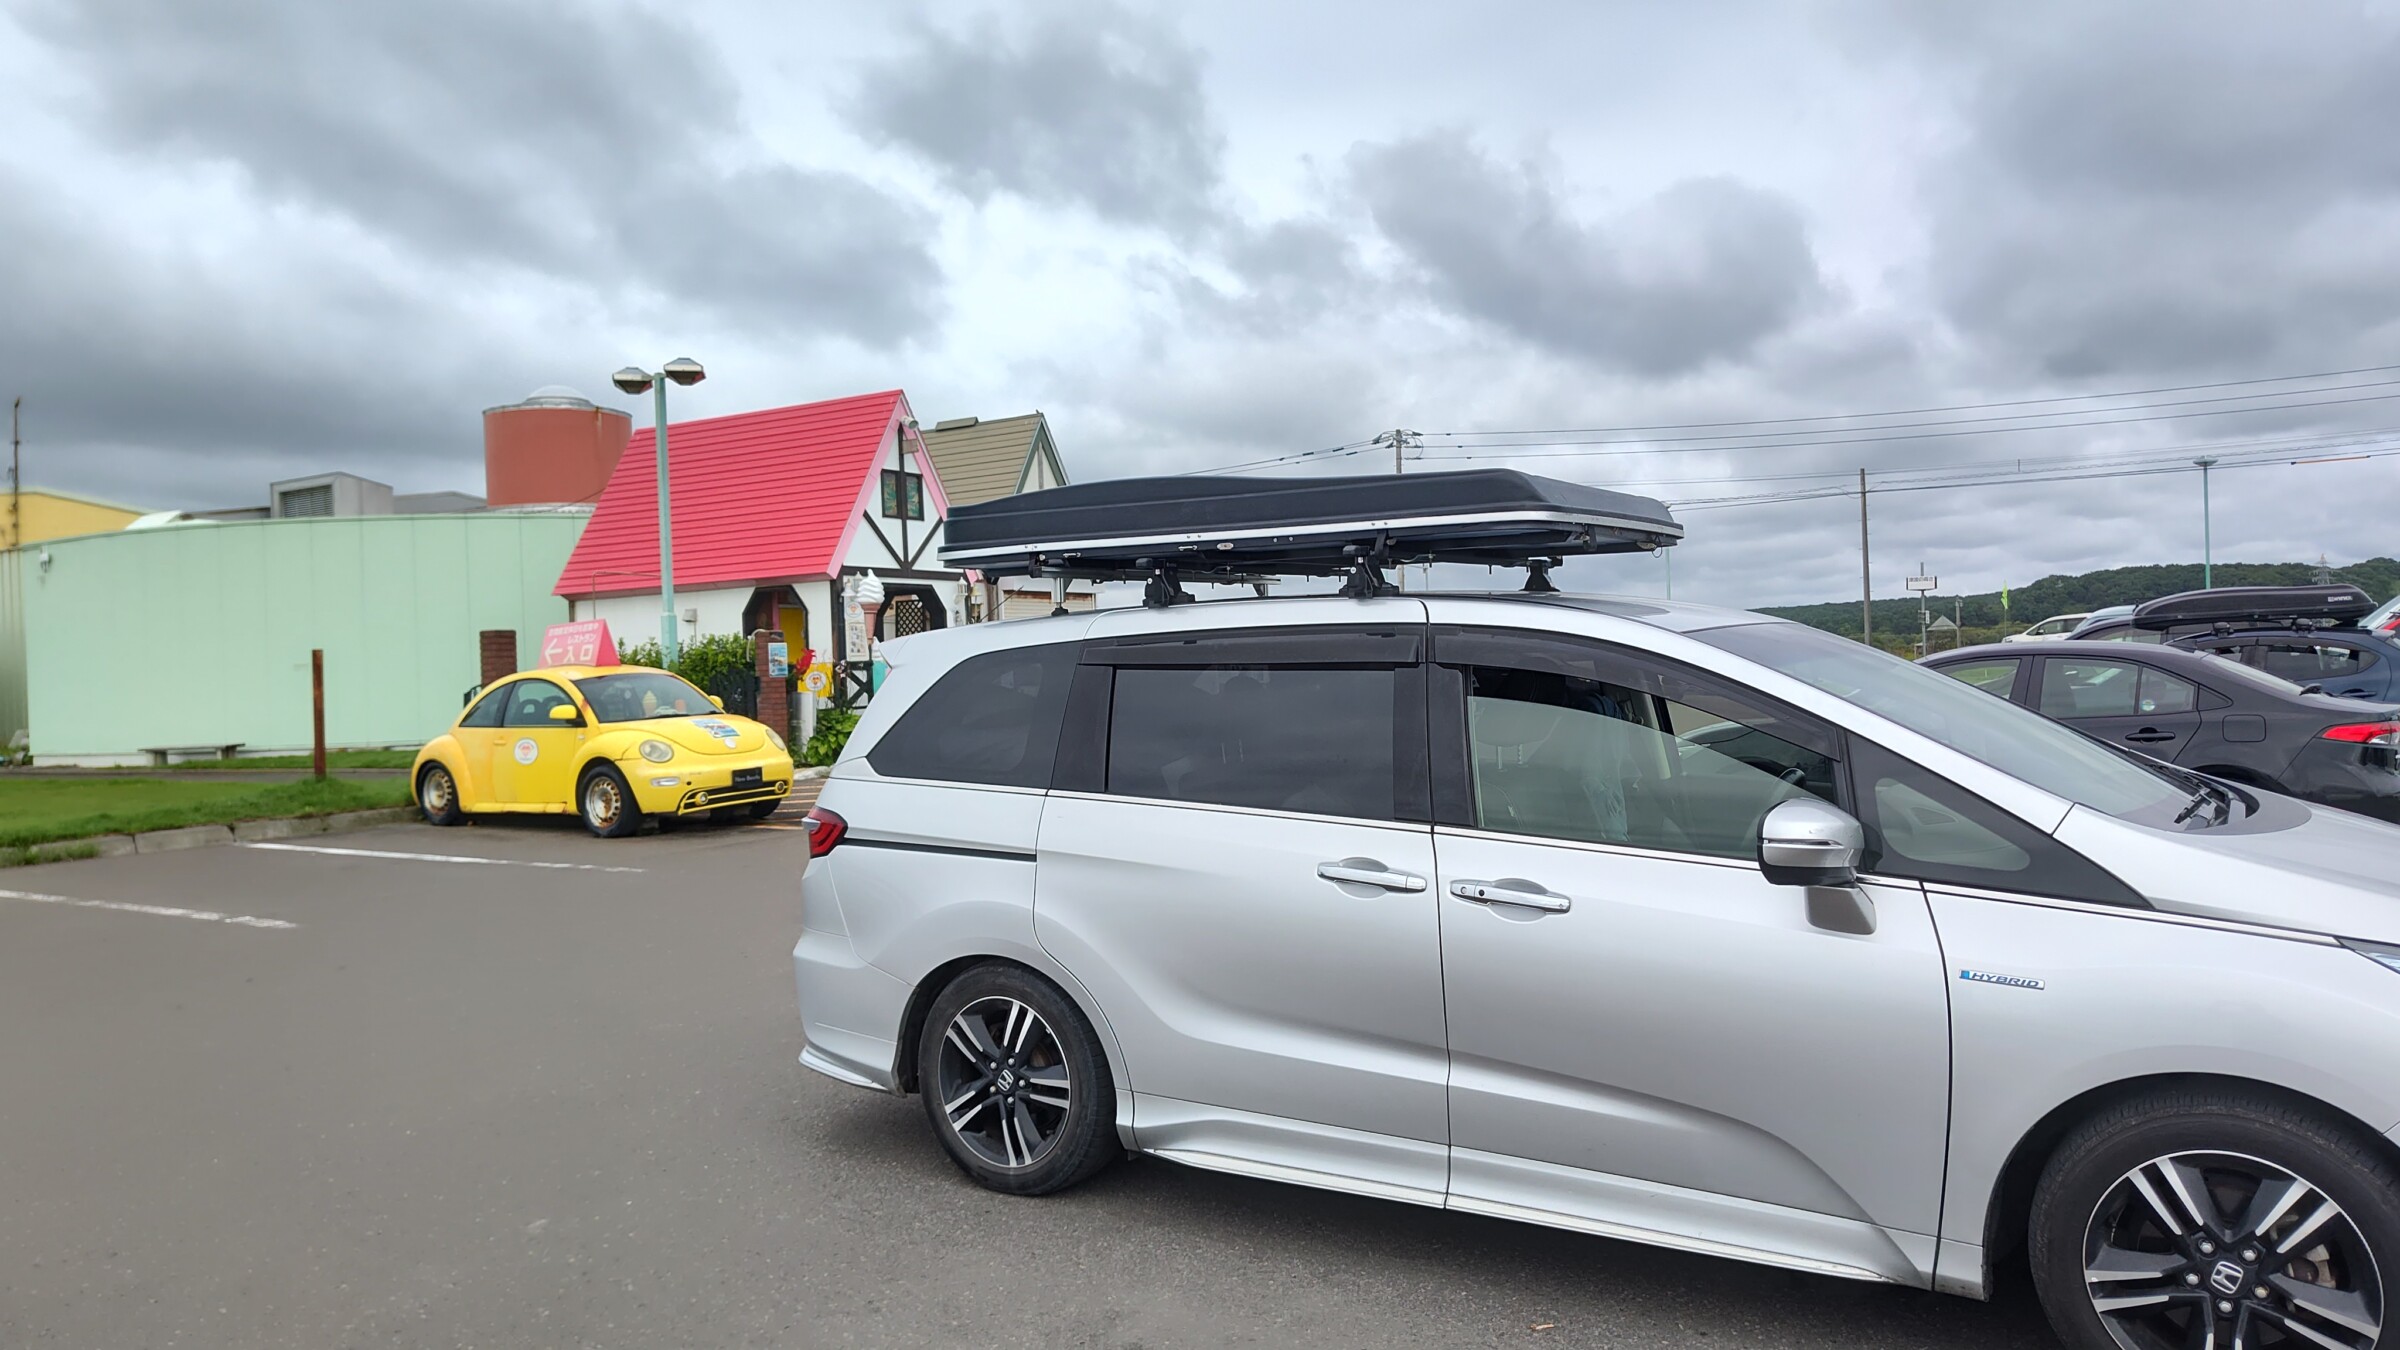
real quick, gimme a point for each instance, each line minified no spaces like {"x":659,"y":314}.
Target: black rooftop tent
{"x":1228,"y":527}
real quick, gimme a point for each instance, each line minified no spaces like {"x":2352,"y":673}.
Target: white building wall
{"x":634,"y":618}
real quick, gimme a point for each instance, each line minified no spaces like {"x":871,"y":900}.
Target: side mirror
{"x":564,"y":712}
{"x":1806,"y":842}
{"x":718,"y":701}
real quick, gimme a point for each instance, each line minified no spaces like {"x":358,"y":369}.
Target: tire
{"x":761,"y":810}
{"x":1004,"y":1128}
{"x":607,"y":804}
{"x":437,"y":796}
{"x":2121,"y":1264}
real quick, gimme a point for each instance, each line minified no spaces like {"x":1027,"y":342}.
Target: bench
{"x":160,"y":755}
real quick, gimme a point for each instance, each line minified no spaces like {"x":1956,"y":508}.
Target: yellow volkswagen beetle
{"x":614,"y":744}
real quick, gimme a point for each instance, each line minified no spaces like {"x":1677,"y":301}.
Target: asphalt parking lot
{"x":509,"y":1086}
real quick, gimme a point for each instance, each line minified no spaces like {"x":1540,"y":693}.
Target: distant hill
{"x":2027,"y":605}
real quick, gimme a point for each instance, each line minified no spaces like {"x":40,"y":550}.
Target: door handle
{"x":2148,"y":735}
{"x":1512,"y":892}
{"x":1368,"y":872}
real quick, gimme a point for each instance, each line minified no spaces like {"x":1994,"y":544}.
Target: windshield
{"x":2022,"y":744}
{"x":636,"y":695}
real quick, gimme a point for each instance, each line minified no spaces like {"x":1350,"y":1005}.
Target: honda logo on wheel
{"x":2227,"y":1278}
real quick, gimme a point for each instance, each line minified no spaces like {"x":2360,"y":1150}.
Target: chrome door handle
{"x":1368,"y":872}
{"x":1512,"y":893}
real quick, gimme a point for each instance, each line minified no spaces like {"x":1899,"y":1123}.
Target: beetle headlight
{"x":778,"y":740}
{"x":657,"y":752}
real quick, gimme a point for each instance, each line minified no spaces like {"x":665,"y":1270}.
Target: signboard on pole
{"x":1924,"y":583}
{"x":585,"y":642}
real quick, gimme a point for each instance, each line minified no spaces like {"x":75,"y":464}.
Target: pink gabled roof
{"x":755,"y":496}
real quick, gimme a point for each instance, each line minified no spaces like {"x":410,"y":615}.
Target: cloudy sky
{"x":249,"y":239}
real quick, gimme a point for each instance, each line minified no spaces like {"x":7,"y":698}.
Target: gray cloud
{"x":2168,"y":187}
{"x":1086,"y":105}
{"x":1705,"y":271}
{"x":161,"y":379}
{"x":586,"y":143}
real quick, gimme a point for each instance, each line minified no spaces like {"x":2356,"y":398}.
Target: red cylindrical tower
{"x":556,"y":446}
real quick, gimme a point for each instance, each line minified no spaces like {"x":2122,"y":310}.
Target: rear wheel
{"x":1014,"y":1083}
{"x":2216,"y":1220}
{"x":607,"y":803}
{"x":437,"y":796}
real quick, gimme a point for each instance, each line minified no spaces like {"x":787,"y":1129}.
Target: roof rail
{"x":1164,"y":531}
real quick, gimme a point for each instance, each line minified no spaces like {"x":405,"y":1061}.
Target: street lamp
{"x":2207,"y":543}
{"x":682,"y":370}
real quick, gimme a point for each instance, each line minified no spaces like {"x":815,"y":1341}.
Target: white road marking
{"x":163,"y":911}
{"x":438,"y":857}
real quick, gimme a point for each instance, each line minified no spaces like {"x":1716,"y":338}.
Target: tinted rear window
{"x":1285,"y":738}
{"x":993,"y":719}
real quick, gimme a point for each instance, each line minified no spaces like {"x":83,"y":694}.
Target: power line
{"x":1539,"y":449}
{"x":1329,"y":451}
{"x":1820,"y":494}
{"x":2163,"y":452}
{"x":1954,"y":407}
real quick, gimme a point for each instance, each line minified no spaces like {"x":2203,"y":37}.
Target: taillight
{"x":825,"y":829}
{"x":2365,"y":733}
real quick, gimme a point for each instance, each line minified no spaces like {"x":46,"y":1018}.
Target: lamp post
{"x":2207,"y":542}
{"x":682,"y":370}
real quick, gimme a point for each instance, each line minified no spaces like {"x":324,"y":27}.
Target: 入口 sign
{"x":585,"y":642}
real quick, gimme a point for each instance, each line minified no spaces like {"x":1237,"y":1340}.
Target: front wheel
{"x":2216,"y":1219}
{"x":608,"y":806}
{"x":437,"y":796}
{"x":1014,"y":1083}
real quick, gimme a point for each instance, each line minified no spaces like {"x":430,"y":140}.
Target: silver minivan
{"x":1670,"y":924}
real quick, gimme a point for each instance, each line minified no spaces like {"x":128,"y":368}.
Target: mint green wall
{"x":200,"y":633}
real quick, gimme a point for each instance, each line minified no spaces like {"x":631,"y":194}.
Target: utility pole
{"x":2208,"y":548}
{"x":1403,"y":440}
{"x":1866,"y":573}
{"x":16,"y":486}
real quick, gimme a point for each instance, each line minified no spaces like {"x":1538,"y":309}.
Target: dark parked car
{"x":2204,"y":712}
{"x":2311,"y":635}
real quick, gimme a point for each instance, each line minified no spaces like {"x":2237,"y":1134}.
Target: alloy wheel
{"x":602,"y":802}
{"x":2222,"y":1251}
{"x":1003,"y":1082}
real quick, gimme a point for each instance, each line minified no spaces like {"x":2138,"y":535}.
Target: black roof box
{"x":1231,"y":525}
{"x":2265,"y":605}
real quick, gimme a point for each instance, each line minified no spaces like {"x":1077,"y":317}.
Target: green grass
{"x":25,"y":855}
{"x":38,"y":810}
{"x":334,"y":759}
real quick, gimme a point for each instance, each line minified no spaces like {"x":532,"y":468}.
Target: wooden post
{"x":316,"y":684}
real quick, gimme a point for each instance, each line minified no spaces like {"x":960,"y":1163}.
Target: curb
{"x":294,"y":826}
{"x":802,"y":775}
{"x":210,"y":836}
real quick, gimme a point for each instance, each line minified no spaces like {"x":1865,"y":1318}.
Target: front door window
{"x":1575,"y":757}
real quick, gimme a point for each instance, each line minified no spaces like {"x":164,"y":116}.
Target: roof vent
{"x":955,"y":423}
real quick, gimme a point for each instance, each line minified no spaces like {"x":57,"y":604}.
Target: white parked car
{"x":2055,"y":627}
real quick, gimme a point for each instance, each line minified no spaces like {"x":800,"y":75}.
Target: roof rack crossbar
{"x":1366,"y":580}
